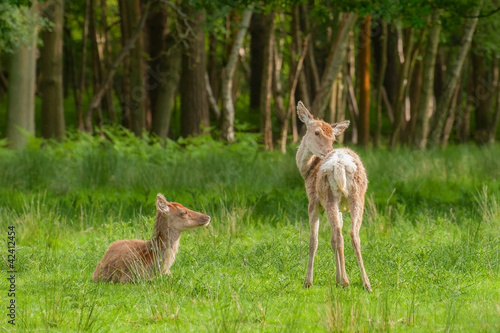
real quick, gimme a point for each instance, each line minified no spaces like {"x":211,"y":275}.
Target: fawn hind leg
{"x":313,"y":242}
{"x":337,"y":242}
{"x":357,"y":219}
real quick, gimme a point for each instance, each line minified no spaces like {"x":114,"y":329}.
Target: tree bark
{"x":382,"y":65}
{"x":53,"y":125}
{"x":80,"y":86}
{"x":194,"y":106}
{"x":426,"y":97}
{"x":135,"y":93}
{"x":404,"y":75}
{"x":168,"y":81}
{"x":227,"y":125}
{"x":128,"y":45}
{"x":334,"y":63}
{"x":256,"y":58}
{"x":303,"y":91}
{"x":22,"y":74}
{"x":364,"y":82}
{"x":496,"y":115}
{"x":155,"y":33}
{"x":267,"y":78}
{"x":484,"y":91}
{"x":443,"y":104}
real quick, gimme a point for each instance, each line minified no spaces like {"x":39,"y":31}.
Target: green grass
{"x":430,"y":239}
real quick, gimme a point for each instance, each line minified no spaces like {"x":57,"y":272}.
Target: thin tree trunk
{"x":404,"y":75}
{"x":267,"y":78}
{"x":110,"y":106}
{"x":422,"y":126}
{"x":22,"y":74}
{"x":53,"y":125}
{"x":443,"y":104}
{"x":257,"y":43}
{"x":485,"y":81}
{"x":78,"y":91}
{"x":496,"y":115}
{"x":227,"y":125}
{"x":380,"y":82}
{"x":415,"y":91}
{"x":279,"y":108}
{"x":364,"y":84}
{"x":303,"y":91}
{"x":95,"y":62}
{"x":451,"y":117}
{"x":293,"y":87}
{"x":334,"y":63}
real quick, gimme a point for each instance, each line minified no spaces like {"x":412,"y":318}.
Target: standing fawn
{"x":131,"y":259}
{"x":335,"y":180}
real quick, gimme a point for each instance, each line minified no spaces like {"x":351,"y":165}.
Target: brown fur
{"x":321,"y":166}
{"x":133,"y":259}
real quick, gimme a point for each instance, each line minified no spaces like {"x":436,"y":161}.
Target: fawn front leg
{"x":313,"y":242}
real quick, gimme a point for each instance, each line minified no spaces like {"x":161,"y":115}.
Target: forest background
{"x":417,"y":73}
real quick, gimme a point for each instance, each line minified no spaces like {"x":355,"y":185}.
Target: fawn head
{"x":178,"y":217}
{"x":320,"y":135}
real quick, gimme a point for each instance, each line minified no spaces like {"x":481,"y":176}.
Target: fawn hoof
{"x":368,"y":288}
{"x":307,"y":284}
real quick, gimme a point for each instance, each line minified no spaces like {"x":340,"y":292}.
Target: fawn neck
{"x":164,"y":237}
{"x":305,"y":159}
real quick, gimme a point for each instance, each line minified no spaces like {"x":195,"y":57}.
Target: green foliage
{"x":431,"y":238}
{"x":17,"y":24}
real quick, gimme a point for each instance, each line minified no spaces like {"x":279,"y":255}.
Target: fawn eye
{"x":316,"y":133}
{"x":183,"y":213}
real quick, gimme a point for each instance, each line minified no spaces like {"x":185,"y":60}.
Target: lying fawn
{"x":130,"y":259}
{"x":335,"y":180}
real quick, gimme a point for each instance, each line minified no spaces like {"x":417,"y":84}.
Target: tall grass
{"x":430,"y":238}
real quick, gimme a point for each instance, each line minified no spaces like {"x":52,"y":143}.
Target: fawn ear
{"x":161,"y":203}
{"x":304,"y":115}
{"x":339,"y":128}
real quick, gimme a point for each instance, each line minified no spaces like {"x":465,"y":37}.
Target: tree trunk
{"x":364,"y":82}
{"x":106,"y":61}
{"x":381,"y":68}
{"x":443,"y":104}
{"x":168,"y":80}
{"x":227,"y":125}
{"x":451,"y":117}
{"x":334,"y":63}
{"x":53,"y":125}
{"x":267,"y":79}
{"x":404,"y":75}
{"x":484,"y":92}
{"x":96,"y":67}
{"x":293,"y":86}
{"x":496,"y":115}
{"x":415,"y":91}
{"x":393,"y":64}
{"x":194,"y":106}
{"x":22,"y":74}
{"x":80,"y":86}
{"x":303,"y":91}
{"x":426,"y":97}
{"x":156,"y":27}
{"x":134,"y":94}
{"x":257,"y":43}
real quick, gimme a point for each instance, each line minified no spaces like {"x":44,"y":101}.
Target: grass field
{"x":430,"y":240}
